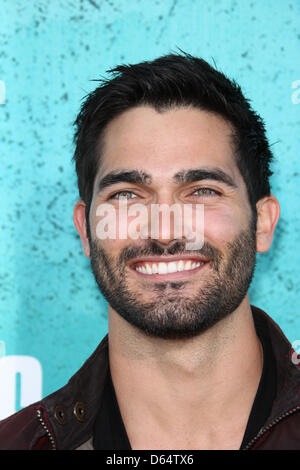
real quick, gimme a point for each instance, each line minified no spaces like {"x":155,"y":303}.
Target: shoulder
{"x":24,"y":430}
{"x":64,"y":419}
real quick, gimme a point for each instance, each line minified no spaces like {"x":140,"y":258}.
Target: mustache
{"x":155,"y":248}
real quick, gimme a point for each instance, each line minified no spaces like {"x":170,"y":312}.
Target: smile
{"x":183,"y":266}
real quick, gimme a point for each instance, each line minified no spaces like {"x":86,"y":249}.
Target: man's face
{"x":161,"y":145}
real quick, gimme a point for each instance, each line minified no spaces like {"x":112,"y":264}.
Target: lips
{"x":172,"y":265}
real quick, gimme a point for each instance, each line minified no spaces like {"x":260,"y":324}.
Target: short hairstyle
{"x":171,"y":81}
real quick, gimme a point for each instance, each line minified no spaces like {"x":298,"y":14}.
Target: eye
{"x":206,"y":192}
{"x":122,"y":195}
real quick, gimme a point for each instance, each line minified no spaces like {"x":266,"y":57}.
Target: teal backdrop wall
{"x":52,"y":315}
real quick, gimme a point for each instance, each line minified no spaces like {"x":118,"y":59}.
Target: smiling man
{"x":187,"y":363}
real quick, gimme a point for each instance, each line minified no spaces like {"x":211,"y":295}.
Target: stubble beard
{"x":172,"y":314}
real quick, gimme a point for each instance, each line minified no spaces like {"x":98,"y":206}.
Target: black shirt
{"x":109,"y":429}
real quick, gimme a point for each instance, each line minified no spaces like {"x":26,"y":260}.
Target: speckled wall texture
{"x":50,"y":307}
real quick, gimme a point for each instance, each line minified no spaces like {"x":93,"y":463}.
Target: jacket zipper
{"x":263,"y":431}
{"x":39,"y":415}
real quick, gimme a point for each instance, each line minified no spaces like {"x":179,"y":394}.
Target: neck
{"x":191,"y":384}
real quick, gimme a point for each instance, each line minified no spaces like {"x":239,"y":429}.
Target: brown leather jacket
{"x":64,"y":420}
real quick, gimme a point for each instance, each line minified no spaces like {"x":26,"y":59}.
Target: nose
{"x":166,"y":222}
{"x":176,"y":222}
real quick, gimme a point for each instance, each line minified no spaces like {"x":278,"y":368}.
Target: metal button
{"x":60,"y":414}
{"x":80,"y":411}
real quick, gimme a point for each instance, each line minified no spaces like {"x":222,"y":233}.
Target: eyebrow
{"x":115,"y":177}
{"x":182,"y":177}
{"x":198,"y":174}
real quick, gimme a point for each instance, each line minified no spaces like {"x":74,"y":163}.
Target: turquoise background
{"x":50,"y":306}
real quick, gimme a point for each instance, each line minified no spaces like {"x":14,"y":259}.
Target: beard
{"x":172,"y":313}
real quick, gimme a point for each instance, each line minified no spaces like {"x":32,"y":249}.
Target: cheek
{"x":111,"y":249}
{"x":108,"y":230}
{"x":220,"y":227}
{"x":112,"y":227}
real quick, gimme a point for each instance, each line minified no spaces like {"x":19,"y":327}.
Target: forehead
{"x":163,"y":143}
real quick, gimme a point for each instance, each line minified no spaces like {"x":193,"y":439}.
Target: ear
{"x":80,"y":224}
{"x":268,"y":212}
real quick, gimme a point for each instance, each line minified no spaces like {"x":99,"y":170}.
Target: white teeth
{"x":188,"y":265}
{"x":148,"y":269}
{"x":162,"y":268}
{"x":165,"y":268}
{"x":154,"y":268}
{"x":172,"y":268}
{"x":180,"y":265}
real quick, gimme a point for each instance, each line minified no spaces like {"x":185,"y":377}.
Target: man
{"x":188,"y":363}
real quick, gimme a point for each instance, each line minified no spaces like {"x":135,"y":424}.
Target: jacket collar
{"x":70,"y":427}
{"x":72,"y":410}
{"x":288,"y":373}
